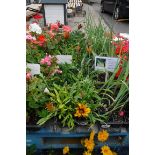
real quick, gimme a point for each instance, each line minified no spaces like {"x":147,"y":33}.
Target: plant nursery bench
{"x":56,"y":137}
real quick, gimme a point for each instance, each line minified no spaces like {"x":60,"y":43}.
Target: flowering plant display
{"x":76,"y":92}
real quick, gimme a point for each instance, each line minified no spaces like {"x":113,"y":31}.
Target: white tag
{"x":35,"y":68}
{"x":62,"y":59}
{"x":106,"y":63}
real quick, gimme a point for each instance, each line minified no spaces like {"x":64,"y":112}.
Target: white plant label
{"x":106,"y":63}
{"x":35,"y":69}
{"x":62,"y":59}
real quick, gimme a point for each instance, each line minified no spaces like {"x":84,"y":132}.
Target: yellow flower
{"x":86,"y":153}
{"x":103,"y":135}
{"x":92,"y":134}
{"x":89,"y":144}
{"x":65,"y":150}
{"x":82,"y":110}
{"x":105,"y":150}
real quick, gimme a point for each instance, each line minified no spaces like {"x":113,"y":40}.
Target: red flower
{"x":119,"y":72}
{"x":41,"y":39}
{"x":37,"y":16}
{"x":121,"y":47}
{"x":121,"y":113}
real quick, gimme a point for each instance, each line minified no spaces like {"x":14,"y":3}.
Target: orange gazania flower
{"x":103,"y":135}
{"x":49,"y":106}
{"x":89,"y":144}
{"x":105,"y":150}
{"x":82,"y":110}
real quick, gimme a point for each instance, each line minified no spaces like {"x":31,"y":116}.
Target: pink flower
{"x":67,"y":28}
{"x":49,"y":63}
{"x":28,"y":76}
{"x":121,"y":113}
{"x":28,"y":37}
{"x":54,"y":27}
{"x":46,"y":60}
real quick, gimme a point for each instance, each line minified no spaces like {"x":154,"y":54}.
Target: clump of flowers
{"x":40,"y":40}
{"x":47,"y":60}
{"x":103,"y":135}
{"x":82,"y":110}
{"x":65,"y":150}
{"x":89,"y":143}
{"x":34,"y":27}
{"x":105,"y":150}
{"x":121,"y":45}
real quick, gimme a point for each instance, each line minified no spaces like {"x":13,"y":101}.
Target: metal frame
{"x":65,"y":11}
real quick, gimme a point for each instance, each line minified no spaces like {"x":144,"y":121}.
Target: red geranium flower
{"x":41,"y":38}
{"x":37,"y":16}
{"x":119,"y":72}
{"x":122,"y":47}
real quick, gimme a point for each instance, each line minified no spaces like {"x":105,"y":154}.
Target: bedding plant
{"x":76,"y":92}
